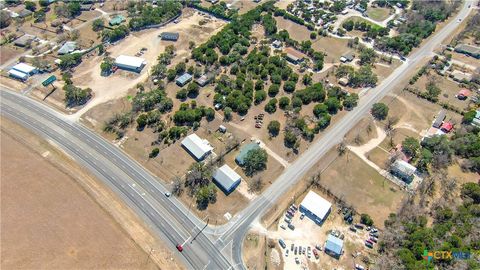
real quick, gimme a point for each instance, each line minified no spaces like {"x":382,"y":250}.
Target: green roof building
{"x":116,"y":20}
{"x":240,"y":159}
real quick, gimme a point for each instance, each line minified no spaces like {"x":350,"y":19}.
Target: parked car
{"x":297,"y":261}
{"x":294,"y":207}
{"x":286,"y":253}
{"x":292,"y":246}
{"x":295,"y":251}
{"x":287,"y":220}
{"x":373,"y":239}
{"x":282,"y":243}
{"x":315,"y":253}
{"x":302,"y":216}
{"x":291,"y":226}
{"x":283,"y":226}
{"x":359,"y":226}
{"x":359,"y":267}
{"x":369,"y":241}
{"x":353,"y":229}
{"x":318,"y":247}
{"x":368,"y":244}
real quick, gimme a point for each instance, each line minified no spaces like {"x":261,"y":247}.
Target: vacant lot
{"x":333,"y":47}
{"x":378,"y":14}
{"x":8,"y":52}
{"x":50,"y":222}
{"x":296,"y":31}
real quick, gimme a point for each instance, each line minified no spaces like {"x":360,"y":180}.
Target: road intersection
{"x":216,"y":247}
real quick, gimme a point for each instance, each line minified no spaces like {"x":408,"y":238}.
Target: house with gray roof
{"x":68,"y":47}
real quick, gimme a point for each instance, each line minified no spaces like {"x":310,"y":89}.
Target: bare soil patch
{"x":296,"y":31}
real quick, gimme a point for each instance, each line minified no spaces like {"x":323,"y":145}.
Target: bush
{"x":366,"y":219}
{"x":320,"y":109}
{"x":154,"y":152}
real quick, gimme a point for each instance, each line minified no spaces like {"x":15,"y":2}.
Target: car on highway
{"x":179,"y":248}
{"x":167,"y":194}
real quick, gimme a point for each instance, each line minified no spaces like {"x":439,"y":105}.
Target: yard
{"x":333,"y":47}
{"x":297,"y":32}
{"x":379,"y":14}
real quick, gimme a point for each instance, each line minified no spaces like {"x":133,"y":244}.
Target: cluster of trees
{"x":191,"y":115}
{"x":219,"y":10}
{"x":362,"y":77}
{"x":164,"y":59}
{"x":145,"y":101}
{"x":421,"y":23}
{"x":98,"y":25}
{"x":454,"y":228}
{"x":151,"y":119}
{"x":118,"y":123}
{"x":71,"y":60}
{"x":74,"y":96}
{"x":146,"y":15}
{"x":115,"y":34}
{"x":198,"y":181}
{"x":68,"y":10}
{"x":106,"y":66}
{"x":317,"y":57}
{"x":255,"y":161}
{"x":371,"y":30}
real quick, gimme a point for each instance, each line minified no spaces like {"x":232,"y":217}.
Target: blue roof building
{"x":226,"y":178}
{"x":184,"y":79}
{"x":240,"y":159}
{"x":334,"y":246}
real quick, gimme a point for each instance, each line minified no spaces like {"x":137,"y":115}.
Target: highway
{"x":216,"y":247}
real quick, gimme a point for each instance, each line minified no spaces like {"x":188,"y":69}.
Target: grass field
{"x":378,"y":14}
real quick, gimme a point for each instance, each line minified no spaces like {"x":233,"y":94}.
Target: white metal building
{"x":17,"y":74}
{"x":196,"y":146}
{"x":130,"y":63}
{"x":226,"y":178}
{"x":315,"y":207}
{"x":25,"y":68}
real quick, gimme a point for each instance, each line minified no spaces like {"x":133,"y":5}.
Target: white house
{"x":226,"y":178}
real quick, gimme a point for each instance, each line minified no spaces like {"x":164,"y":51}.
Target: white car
{"x":167,"y":194}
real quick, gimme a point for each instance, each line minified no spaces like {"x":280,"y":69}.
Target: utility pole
{"x":206,"y":224}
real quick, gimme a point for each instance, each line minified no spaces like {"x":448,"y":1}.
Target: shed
{"x":169,"y":36}
{"x":203,"y":80}
{"x":467,"y":49}
{"x":226,"y":178}
{"x":460,"y":76}
{"x":184,"y":79}
{"x":348,"y":57}
{"x":446,"y":127}
{"x":240,"y":158}
{"x":196,"y":146}
{"x":25,"y":68}
{"x":116,"y":20}
{"x":17,"y":74}
{"x":463,"y":94}
{"x":334,"y":246}
{"x":222,"y":128}
{"x":24,"y":13}
{"x":403,"y":170}
{"x":293,"y":56}
{"x":343,"y":81}
{"x":315,"y":207}
{"x":86,"y":7}
{"x":24,"y":40}
{"x":439,"y":119}
{"x":277,"y":44}
{"x":68,"y":47}
{"x":130,"y":63}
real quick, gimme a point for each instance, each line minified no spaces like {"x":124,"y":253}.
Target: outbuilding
{"x":24,"y":40}
{"x":348,"y":57}
{"x":17,"y":74}
{"x":25,"y":68}
{"x":131,"y":63}
{"x":204,"y":79}
{"x":169,"y":36}
{"x":116,"y":20}
{"x":446,"y":127}
{"x":226,"y":179}
{"x":68,"y":47}
{"x":439,"y":119}
{"x":197,"y":147}
{"x":334,"y":246}
{"x":240,"y":158}
{"x":315,"y":207}
{"x":184,"y":79}
{"x":403,"y":170}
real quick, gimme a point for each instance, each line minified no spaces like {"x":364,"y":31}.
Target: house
{"x":343,"y":81}
{"x":463,"y":94}
{"x":68,"y":47}
{"x":470,"y":50}
{"x":439,"y":119}
{"x":348,"y":57}
{"x":130,"y":63}
{"x":334,"y":246}
{"x":222,"y":129}
{"x":293,"y":56}
{"x":204,"y":79}
{"x":24,"y":40}
{"x":169,"y":36}
{"x":460,"y":76}
{"x":476,"y":120}
{"x":446,"y":127}
{"x":116,"y":20}
{"x":197,"y":147}
{"x":403,"y":170}
{"x":24,"y":13}
{"x":184,"y":79}
{"x":277,"y":44}
{"x":240,"y":158}
{"x":226,"y":179}
{"x":315,"y":207}
{"x":86,"y":7}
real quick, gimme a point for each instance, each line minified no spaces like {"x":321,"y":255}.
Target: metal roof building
{"x":169,"y":36}
{"x":226,"y":178}
{"x":439,"y":119}
{"x":24,"y":40}
{"x":403,"y":170}
{"x":184,"y":79}
{"x":471,"y":50}
{"x":315,"y":207}
{"x":68,"y":47}
{"x":240,"y":158}
{"x":334,"y":246}
{"x":17,"y":74}
{"x":25,"y":68}
{"x":130,"y":63}
{"x":116,"y":20}
{"x":196,"y":146}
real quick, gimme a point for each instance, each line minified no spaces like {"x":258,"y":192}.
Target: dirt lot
{"x":43,"y":226}
{"x":8,"y":52}
{"x":333,"y":47}
{"x":378,"y":14}
{"x":87,"y":74}
{"x":296,"y":31}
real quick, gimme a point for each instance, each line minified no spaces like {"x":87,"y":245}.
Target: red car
{"x":180,"y":248}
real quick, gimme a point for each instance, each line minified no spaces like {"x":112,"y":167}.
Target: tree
{"x":227,"y":112}
{"x":283,"y":103}
{"x":350,"y":101}
{"x":468,"y":117}
{"x":273,"y":128}
{"x":30,"y":6}
{"x":366,"y":219}
{"x":348,"y":25}
{"x":367,"y":56}
{"x":273,"y":90}
{"x":209,"y":114}
{"x":98,"y":25}
{"x":154,"y":152}
{"x":44,"y":3}
{"x":472,"y":191}
{"x":433,"y":91}
{"x":193,"y":89}
{"x":380,"y":111}
{"x":307,"y":79}
{"x":289,"y":86}
{"x":333,"y":105}
{"x":320,"y":109}
{"x":290,"y":139}
{"x":182,"y":94}
{"x":260,"y":95}
{"x":255,"y":160}
{"x":206,"y":195}
{"x":271,"y":106}
{"x":106,"y":66}
{"x":73,"y":9}
{"x":410,"y":146}
{"x":313,"y":35}
{"x":177,"y":186}
{"x":255,"y":184}
{"x":5,"y":18}
{"x":75,"y":96}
